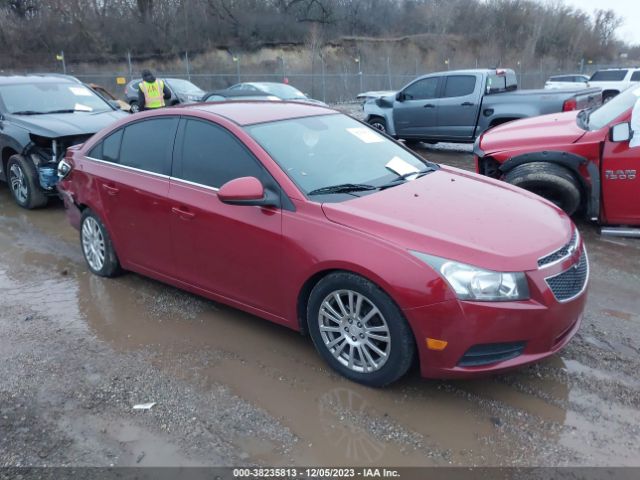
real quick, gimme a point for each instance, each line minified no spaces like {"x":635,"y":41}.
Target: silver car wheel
{"x":93,"y":243}
{"x":18,"y":183}
{"x":354,"y":331}
{"x":379,"y":126}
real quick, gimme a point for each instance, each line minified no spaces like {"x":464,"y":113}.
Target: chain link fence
{"x":337,"y":81}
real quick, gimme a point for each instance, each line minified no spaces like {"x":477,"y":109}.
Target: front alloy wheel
{"x":359,"y":330}
{"x":354,"y":330}
{"x":18,"y":184}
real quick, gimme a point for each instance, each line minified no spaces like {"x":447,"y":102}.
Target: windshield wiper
{"x":27,"y":112}
{"x":403,"y":178}
{"x":343,"y":188}
{"x":66,"y":110}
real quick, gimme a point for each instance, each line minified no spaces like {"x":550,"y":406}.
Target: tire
{"x":135,"y":108}
{"x":550,"y":181}
{"x":384,"y":320}
{"x":606,"y":96}
{"x":24,"y":184}
{"x":412,"y":143}
{"x":378,"y":123}
{"x":97,"y":247}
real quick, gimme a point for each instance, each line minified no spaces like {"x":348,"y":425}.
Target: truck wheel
{"x":550,"y":181}
{"x":378,"y":123}
{"x":24,"y":183}
{"x":606,"y":96}
{"x":358,"y":330}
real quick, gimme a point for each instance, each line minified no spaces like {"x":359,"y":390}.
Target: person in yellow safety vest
{"x":152,"y":92}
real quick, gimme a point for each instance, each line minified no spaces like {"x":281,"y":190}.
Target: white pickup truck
{"x":612,"y":81}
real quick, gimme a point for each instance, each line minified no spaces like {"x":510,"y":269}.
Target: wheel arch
{"x":302,"y":298}
{"x":7,"y":153}
{"x":572,"y":162}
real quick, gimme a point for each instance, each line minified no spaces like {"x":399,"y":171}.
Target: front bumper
{"x":542,"y":324}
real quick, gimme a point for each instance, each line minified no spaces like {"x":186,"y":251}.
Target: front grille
{"x":561,"y":253}
{"x":487,"y":353}
{"x":570,"y":283}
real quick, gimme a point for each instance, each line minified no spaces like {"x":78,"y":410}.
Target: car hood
{"x":554,"y":129}
{"x":67,"y":124}
{"x":461,"y":216}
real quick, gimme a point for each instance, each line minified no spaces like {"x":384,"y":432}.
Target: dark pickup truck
{"x":458,"y":106}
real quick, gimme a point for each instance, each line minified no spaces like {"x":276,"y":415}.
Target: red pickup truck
{"x":581,"y":161}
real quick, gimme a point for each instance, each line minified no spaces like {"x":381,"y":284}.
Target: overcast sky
{"x":629,"y":10}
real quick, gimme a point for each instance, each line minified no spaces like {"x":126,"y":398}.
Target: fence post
{"x":389,"y":73}
{"x":186,"y":59}
{"x":324,"y":84}
{"x":130,"y":66}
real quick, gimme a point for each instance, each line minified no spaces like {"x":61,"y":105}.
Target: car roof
{"x":261,"y":111}
{"x":36,"y":78}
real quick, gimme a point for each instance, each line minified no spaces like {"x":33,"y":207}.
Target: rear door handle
{"x":429,"y":105}
{"x":466,"y":104}
{"x":111,"y":190}
{"x":182,"y":213}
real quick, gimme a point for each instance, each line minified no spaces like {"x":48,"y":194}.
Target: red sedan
{"x":310,"y":219}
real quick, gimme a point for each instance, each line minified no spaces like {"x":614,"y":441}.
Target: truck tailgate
{"x":589,"y":97}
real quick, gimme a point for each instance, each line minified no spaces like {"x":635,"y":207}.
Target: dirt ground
{"x":77,"y":352}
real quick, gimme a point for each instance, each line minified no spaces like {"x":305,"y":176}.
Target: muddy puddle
{"x":579,"y":407}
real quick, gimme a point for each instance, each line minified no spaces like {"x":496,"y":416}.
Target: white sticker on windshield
{"x":366,"y":135}
{"x":80,"y":91}
{"x":401,"y":167}
{"x":82,"y":108}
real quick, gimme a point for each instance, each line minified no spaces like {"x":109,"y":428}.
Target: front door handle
{"x":182,"y":213}
{"x":466,"y":104}
{"x":429,"y":105}
{"x":110,"y":189}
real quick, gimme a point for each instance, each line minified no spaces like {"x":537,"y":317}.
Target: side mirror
{"x":400,"y":96}
{"x":620,"y":132}
{"x":247,"y":191}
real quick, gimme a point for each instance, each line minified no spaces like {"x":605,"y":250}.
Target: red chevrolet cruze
{"x":310,"y":219}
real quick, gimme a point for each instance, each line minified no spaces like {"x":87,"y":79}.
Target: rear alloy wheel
{"x":135,"y":108}
{"x":358,"y":330}
{"x":97,"y":248}
{"x":550,"y":181}
{"x":24,"y":184}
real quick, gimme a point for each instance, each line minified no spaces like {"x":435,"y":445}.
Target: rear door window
{"x":211,"y":156}
{"x":459,"y":85}
{"x":148,"y":145}
{"x":422,"y":89}
{"x":108,"y":149}
{"x":609,"y":75}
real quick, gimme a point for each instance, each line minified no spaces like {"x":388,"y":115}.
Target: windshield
{"x":39,"y":98}
{"x":329,"y":150}
{"x":281,"y":90}
{"x":184,"y":86}
{"x":615,"y":107}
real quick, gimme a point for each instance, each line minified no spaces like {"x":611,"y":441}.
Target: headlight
{"x":474,"y":283}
